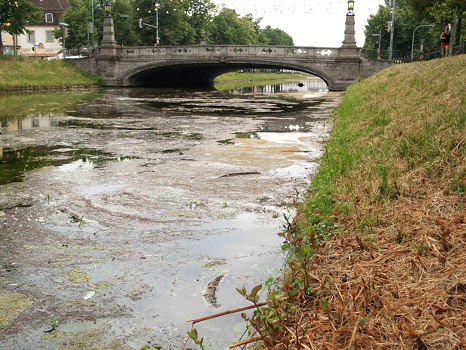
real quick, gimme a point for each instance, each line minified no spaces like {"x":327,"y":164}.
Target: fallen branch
{"x":227,"y":312}
{"x":244,"y":342}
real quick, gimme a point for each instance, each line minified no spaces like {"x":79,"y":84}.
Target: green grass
{"x":19,"y":72}
{"x":404,"y":120}
{"x":258,"y":76}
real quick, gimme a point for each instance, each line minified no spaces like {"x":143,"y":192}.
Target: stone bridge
{"x":198,"y":65}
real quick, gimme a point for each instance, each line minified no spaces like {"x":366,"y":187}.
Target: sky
{"x":310,"y":22}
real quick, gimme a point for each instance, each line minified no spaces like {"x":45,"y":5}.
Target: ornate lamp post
{"x":350,"y":8}
{"x":203,"y":41}
{"x":349,"y":47}
{"x":108,"y":8}
{"x":108,"y":47}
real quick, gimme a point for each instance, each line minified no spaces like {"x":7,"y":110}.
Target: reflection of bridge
{"x":191,"y":66}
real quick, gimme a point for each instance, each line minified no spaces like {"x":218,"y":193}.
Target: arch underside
{"x":200,"y":75}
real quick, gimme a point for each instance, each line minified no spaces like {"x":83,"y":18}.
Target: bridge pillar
{"x":349,"y":48}
{"x":108,"y":47}
{"x":106,"y":59}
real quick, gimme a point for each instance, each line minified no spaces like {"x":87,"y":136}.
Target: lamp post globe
{"x":108,"y":8}
{"x":350,"y":8}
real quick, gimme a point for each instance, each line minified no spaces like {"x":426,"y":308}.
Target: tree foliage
{"x":405,"y":24}
{"x":441,"y":12}
{"x":229,"y":28}
{"x":15,"y":14}
{"x":180,"y":23}
{"x":77,"y":16}
{"x":274,"y":36}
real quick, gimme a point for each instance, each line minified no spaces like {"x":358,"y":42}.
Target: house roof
{"x":56,"y":7}
{"x":51,"y":5}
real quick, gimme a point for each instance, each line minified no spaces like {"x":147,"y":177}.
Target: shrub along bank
{"x":22,"y":73}
{"x":377,"y":252}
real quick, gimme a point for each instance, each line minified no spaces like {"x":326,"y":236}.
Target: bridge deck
{"x":230,"y":50}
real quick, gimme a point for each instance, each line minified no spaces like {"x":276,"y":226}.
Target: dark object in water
{"x":211,"y":289}
{"x":240,"y":174}
{"x":300,"y":84}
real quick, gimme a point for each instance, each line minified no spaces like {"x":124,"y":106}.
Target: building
{"x":39,"y":39}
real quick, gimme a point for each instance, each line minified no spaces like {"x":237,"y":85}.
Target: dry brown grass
{"x":391,"y":273}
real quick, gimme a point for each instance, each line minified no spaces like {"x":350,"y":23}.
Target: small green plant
{"x":195,"y":338}
{"x":53,"y":323}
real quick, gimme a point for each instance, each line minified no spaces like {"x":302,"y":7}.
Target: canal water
{"x":125,"y":213}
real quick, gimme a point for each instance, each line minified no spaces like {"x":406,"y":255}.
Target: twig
{"x":228,"y":312}
{"x":244,"y":342}
{"x":187,"y":339}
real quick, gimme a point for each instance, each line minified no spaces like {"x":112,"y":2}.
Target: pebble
{"x":2,"y":213}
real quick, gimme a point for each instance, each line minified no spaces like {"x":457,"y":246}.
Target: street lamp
{"x":157,"y":5}
{"x":108,"y":8}
{"x":380,"y":39}
{"x":392,"y":31}
{"x":64,"y":27}
{"x":412,"y":42}
{"x":350,"y":8}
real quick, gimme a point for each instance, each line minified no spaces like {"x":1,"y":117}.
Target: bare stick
{"x":244,"y":342}
{"x":228,"y":312}
{"x":186,"y":342}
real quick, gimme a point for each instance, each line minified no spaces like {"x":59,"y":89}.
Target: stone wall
{"x":370,"y":67}
{"x":85,"y":64}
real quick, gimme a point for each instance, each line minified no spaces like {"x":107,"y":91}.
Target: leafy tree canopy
{"x":441,"y":12}
{"x":405,"y":24}
{"x":274,"y":36}
{"x":15,"y":14}
{"x":180,"y":23}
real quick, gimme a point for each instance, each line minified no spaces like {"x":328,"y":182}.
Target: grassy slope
{"x":18,"y":72}
{"x":378,"y":249}
{"x":252,"y":76}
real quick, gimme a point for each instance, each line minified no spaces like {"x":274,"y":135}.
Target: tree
{"x":229,"y":28}
{"x":442,"y":12}
{"x":77,"y":16}
{"x":274,"y":36}
{"x":201,"y":13}
{"x":15,"y":15}
{"x":404,"y":27}
{"x":125,"y":23}
{"x":174,"y":22}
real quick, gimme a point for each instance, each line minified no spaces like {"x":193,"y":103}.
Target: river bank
{"x":19,"y":73}
{"x":126,"y":213}
{"x":377,"y":250}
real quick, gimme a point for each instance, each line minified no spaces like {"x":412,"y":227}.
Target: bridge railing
{"x":228,"y":50}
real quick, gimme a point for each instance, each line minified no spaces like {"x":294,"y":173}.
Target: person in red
{"x":445,"y":38}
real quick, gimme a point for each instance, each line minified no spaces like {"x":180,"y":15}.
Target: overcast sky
{"x":309,"y":22}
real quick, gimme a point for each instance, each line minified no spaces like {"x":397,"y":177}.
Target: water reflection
{"x":306,"y":84}
{"x":31,"y":122}
{"x":14,"y":163}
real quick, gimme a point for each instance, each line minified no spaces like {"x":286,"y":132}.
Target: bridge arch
{"x":203,"y":73}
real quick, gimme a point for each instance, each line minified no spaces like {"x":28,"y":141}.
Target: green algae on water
{"x":11,"y":305}
{"x":79,"y":276}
